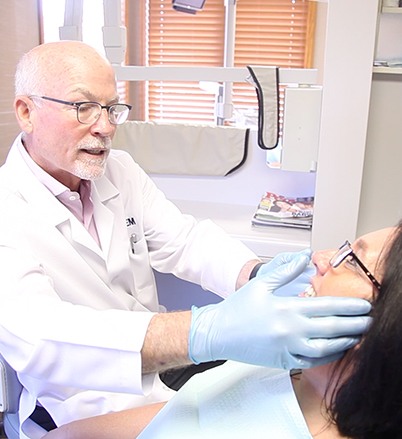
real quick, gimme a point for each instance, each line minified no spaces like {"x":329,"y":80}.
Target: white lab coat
{"x":65,"y":320}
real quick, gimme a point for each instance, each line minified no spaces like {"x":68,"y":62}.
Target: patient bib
{"x":234,"y":400}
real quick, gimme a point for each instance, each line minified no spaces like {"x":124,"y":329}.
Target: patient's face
{"x":348,"y":279}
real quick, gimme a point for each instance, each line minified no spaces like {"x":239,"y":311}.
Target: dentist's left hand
{"x":255,"y":326}
{"x":297,"y":285}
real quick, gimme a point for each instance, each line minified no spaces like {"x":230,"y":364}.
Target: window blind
{"x":268,"y":32}
{"x":272,"y":33}
{"x":180,"y":39}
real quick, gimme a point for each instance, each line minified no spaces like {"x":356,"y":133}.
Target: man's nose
{"x":103,"y":126}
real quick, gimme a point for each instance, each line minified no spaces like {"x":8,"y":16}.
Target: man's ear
{"x":23,"y":107}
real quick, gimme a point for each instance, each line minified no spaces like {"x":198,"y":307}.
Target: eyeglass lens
{"x":90,"y":112}
{"x":344,"y":251}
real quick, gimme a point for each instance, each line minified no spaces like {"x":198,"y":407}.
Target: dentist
{"x":81,"y":230}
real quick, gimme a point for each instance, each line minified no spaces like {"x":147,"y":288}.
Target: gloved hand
{"x":254,"y":326}
{"x":296,"y":286}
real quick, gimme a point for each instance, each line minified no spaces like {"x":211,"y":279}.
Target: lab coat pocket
{"x":138,"y":245}
{"x":145,"y":287}
{"x":136,"y":237}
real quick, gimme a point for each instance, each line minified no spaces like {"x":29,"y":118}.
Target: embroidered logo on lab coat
{"x":130,"y":221}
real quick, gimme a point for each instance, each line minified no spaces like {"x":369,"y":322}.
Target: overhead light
{"x":188,"y":6}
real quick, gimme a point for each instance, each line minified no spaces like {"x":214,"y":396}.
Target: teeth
{"x":309,"y":292}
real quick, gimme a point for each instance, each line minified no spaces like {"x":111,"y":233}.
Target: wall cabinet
{"x":386,"y":10}
{"x":389,"y":41}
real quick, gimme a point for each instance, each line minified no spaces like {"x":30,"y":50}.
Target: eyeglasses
{"x":346,"y":251}
{"x":89,"y":112}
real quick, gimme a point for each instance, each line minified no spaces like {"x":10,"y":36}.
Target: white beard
{"x":92,"y":167}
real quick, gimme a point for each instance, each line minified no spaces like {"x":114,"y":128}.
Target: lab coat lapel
{"x":58,"y":215}
{"x":81,"y":236}
{"x":103,"y":194}
{"x":109,"y":219}
{"x":19,"y":178}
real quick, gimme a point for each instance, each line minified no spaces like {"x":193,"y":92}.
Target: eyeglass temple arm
{"x":368,"y":273}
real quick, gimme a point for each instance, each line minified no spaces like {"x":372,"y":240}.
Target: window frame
{"x":143,"y":95}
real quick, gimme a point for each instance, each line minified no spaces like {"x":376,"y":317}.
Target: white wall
{"x":381,"y":197}
{"x":347,"y":72}
{"x":381,"y":181}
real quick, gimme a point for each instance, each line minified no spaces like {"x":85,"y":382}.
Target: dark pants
{"x":176,"y":378}
{"x":42,"y":418}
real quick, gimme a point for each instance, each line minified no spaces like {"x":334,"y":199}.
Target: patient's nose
{"x":321,"y":260}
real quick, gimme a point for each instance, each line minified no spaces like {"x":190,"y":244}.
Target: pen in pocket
{"x":133,"y":240}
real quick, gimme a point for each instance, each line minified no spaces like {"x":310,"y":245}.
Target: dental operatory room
{"x":201,"y":219}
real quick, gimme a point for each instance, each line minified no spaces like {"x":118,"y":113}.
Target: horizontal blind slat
{"x":268,"y":32}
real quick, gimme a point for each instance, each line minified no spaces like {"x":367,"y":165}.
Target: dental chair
{"x":10,"y":391}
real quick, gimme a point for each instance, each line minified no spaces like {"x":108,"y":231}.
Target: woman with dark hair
{"x":358,"y":396}
{"x":368,"y":403}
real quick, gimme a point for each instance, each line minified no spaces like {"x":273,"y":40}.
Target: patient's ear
{"x":24,"y":107}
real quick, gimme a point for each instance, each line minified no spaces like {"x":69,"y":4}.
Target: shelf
{"x":236,"y":220}
{"x":393,"y":10}
{"x":388,"y":70}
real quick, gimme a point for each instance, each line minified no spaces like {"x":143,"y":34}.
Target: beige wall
{"x":19,"y":32}
{"x":381,"y":197}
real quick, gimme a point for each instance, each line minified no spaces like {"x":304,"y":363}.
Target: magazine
{"x":278,"y":210}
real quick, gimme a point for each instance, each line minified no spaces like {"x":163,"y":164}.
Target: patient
{"x":359,"y":396}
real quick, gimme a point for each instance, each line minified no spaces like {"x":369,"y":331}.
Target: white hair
{"x":29,"y":76}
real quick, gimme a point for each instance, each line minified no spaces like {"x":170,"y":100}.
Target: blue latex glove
{"x":296,"y":286}
{"x":254,"y":326}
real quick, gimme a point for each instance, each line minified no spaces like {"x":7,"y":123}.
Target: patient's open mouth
{"x":308,"y":292}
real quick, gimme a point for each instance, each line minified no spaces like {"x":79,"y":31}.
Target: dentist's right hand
{"x":254,"y":326}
